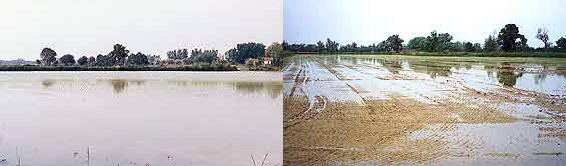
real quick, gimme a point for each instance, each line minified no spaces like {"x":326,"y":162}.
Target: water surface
{"x":140,"y":118}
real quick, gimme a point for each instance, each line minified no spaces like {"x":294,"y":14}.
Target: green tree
{"x":48,"y":57}
{"x":453,"y":46}
{"x":119,"y":55}
{"x":469,"y":47}
{"x":561,"y":43}
{"x":82,"y":60}
{"x":103,"y":60}
{"x":438,"y":42}
{"x":477,"y":47}
{"x":179,"y":54}
{"x":395,"y":43}
{"x":67,"y":60}
{"x":542,"y":35}
{"x":349,"y":47}
{"x":508,"y":37}
{"x":206,"y":56}
{"x":320,"y":46}
{"x":331,"y":46}
{"x":244,"y":51}
{"x":91,"y":61}
{"x":274,"y":51}
{"x":418,"y":43}
{"x":491,"y":43}
{"x":383,"y":46}
{"x":154,"y":59}
{"x":138,"y":59}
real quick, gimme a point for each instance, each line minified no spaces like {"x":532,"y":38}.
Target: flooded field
{"x":391,"y":109}
{"x":140,"y":118}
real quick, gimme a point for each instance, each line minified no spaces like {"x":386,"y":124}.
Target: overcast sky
{"x":372,"y":21}
{"x":92,"y":27}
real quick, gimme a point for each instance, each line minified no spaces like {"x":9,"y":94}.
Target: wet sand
{"x":367,"y":110}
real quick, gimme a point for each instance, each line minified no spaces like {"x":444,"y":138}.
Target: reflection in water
{"x":273,"y":89}
{"x":47,"y":83}
{"x":541,"y":76}
{"x":119,"y":85}
{"x":276,"y":89}
{"x":443,"y":71}
{"x":393,"y":66}
{"x":508,"y":77}
{"x":504,"y":72}
{"x":205,"y":85}
{"x":248,"y":87}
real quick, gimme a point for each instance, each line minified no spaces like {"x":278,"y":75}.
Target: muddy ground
{"x":367,"y":110}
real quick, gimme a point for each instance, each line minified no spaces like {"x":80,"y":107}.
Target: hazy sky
{"x":92,"y":27}
{"x":372,"y":21}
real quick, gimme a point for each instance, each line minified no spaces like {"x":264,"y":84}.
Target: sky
{"x":92,"y":27}
{"x":372,"y":21}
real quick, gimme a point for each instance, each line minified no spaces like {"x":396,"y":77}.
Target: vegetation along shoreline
{"x":507,"y":43}
{"x":244,"y":57}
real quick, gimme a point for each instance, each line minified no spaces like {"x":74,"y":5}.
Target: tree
{"x":477,"y":47}
{"x":153,"y":59}
{"x":67,"y":60}
{"x":206,"y":56}
{"x":491,"y":43}
{"x":331,"y":46}
{"x":285,"y":45}
{"x":82,"y":60}
{"x":453,"y":46}
{"x":508,"y":37}
{"x":561,"y":43}
{"x":244,"y":51}
{"x":274,"y":51}
{"x":418,"y":43}
{"x":118,"y":55}
{"x":542,"y":35}
{"x":438,"y":42}
{"x":138,"y":59}
{"x":432,"y":41}
{"x":179,"y":54}
{"x":48,"y":57}
{"x":320,"y":46}
{"x":395,"y":43}
{"x":349,"y":47}
{"x":469,"y":47}
{"x":103,"y":60}
{"x":382,"y":46}
{"x":91,"y":61}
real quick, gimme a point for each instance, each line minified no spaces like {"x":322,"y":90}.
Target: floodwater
{"x":529,"y":92}
{"x":140,"y":118}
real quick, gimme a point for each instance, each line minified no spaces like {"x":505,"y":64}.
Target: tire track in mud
{"x":317,"y":103}
{"x":465,"y":147}
{"x":299,"y":79}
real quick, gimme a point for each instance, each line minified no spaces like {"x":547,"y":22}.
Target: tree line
{"x":120,"y":56}
{"x":508,"y":40}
